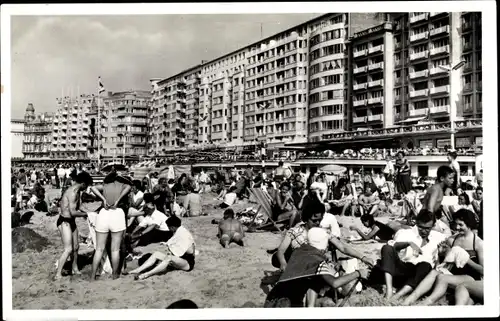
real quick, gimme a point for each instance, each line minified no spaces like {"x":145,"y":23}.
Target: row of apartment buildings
{"x":72,"y":131}
{"x":339,"y":72}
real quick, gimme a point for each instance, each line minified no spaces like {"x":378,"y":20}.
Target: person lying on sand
{"x":66,"y":223}
{"x":152,"y":228}
{"x":180,"y":253}
{"x":230,"y":230}
{"x":385,"y":232}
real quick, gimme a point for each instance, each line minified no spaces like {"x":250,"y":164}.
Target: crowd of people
{"x":438,"y":248}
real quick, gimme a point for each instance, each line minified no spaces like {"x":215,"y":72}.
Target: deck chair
{"x":261,"y":198}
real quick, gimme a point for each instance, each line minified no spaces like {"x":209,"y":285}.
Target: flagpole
{"x":98,"y":125}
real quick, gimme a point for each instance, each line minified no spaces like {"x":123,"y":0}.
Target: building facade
{"x":410,"y":79}
{"x":37,"y":134}
{"x":17,"y":137}
{"x":125,"y":124}
{"x":71,"y":130}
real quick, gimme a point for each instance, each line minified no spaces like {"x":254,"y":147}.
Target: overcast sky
{"x":50,"y":53}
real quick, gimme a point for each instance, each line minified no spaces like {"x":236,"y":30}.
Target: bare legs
{"x":70,"y":243}
{"x":464,"y":291}
{"x":166,"y":260}
{"x":101,"y":239}
{"x":424,"y":287}
{"x":442,"y":283}
{"x":116,"y":242}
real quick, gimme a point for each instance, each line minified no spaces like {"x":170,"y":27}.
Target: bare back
{"x":230,"y":226}
{"x":433,"y":198}
{"x":70,"y":199}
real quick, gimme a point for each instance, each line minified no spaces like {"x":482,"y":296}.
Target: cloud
{"x":50,"y":54}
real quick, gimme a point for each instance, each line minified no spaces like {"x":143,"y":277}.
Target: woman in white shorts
{"x":111,"y":219}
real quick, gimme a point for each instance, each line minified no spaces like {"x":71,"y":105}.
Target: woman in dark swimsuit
{"x":403,"y":171}
{"x":472,"y":271}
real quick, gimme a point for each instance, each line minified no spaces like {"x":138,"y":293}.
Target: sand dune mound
{"x":24,"y":239}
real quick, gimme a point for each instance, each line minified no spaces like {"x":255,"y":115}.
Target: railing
{"x":417,"y":93}
{"x":440,"y":89}
{"x":375,"y":83}
{"x":419,"y":17}
{"x":378,"y":65}
{"x":360,"y":69}
{"x":376,"y":49}
{"x":359,"y":119}
{"x":360,"y":53}
{"x":443,"y":29}
{"x":437,"y":70}
{"x":361,"y":102}
{"x":419,"y":74}
{"x":439,"y":50}
{"x":419,"y":36}
{"x":418,"y":112}
{"x":375,"y":117}
{"x":440,"y":109}
{"x":419,"y":55}
{"x":360,"y":86}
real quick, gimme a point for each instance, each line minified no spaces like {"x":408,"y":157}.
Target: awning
{"x":410,"y":120}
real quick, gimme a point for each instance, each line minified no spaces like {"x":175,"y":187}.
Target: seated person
{"x":419,"y":246}
{"x":152,"y":228}
{"x":229,"y":198}
{"x":230,"y":230}
{"x":461,"y":269}
{"x":465,"y":292}
{"x":180,"y":253}
{"x":384,"y":232}
{"x":341,"y":196}
{"x":308,"y":272}
{"x":136,"y":202}
{"x":192,"y":202}
{"x":368,"y":202}
{"x":477,"y":199}
{"x":285,"y":207}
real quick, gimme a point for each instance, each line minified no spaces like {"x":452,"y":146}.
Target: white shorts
{"x":110,"y":221}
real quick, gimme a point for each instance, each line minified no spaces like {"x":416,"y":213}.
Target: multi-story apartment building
{"x":125,"y":124}
{"x":174,"y":116}
{"x":71,"y":130}
{"x":17,"y":137}
{"x":399,"y":69}
{"x":37,"y":134}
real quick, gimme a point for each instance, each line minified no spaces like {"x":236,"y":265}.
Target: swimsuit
{"x":70,"y":220}
{"x":467,"y":270}
{"x":190,"y":259}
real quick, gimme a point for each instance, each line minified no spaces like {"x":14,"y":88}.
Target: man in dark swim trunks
{"x":66,"y":223}
{"x":230,"y":230}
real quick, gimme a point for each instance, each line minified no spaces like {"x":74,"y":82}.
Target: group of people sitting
{"x":432,"y":256}
{"x":123,"y":217}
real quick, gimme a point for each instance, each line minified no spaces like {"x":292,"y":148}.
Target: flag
{"x":101,"y":86}
{"x":264,"y":105}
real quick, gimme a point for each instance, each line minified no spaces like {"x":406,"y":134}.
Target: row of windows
{"x":327,"y":36}
{"x":327,"y":65}
{"x":324,"y":81}
{"x":326,"y":125}
{"x":327,"y":95}
{"x":328,"y":50}
{"x":326,"y":111}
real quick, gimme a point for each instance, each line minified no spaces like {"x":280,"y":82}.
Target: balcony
{"x":437,"y":71}
{"x":358,"y":103}
{"x":420,"y":17}
{"x":378,"y":65}
{"x":361,"y":119}
{"x":360,"y":86}
{"x":440,"y":50}
{"x":440,"y":30}
{"x":418,"y":112}
{"x":360,"y":53}
{"x":419,"y":93}
{"x":419,"y":36}
{"x":379,"y":48}
{"x":360,"y":69}
{"x":420,"y":55}
{"x":440,"y":89}
{"x":433,"y":14}
{"x":375,"y":83}
{"x":375,"y":100}
{"x":440,"y":109}
{"x":419,"y":74}
{"x":375,"y":117}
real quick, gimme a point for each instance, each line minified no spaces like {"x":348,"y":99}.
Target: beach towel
{"x":458,"y":256}
{"x":305,"y":261}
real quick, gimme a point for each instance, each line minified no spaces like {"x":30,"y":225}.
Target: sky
{"x":51,"y":54}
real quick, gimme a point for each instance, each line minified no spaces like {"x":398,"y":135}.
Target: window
{"x":442,"y":81}
{"x":441,"y":102}
{"x":420,"y":104}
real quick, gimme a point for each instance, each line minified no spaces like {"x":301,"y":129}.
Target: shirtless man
{"x":230,"y":230}
{"x":434,"y":196}
{"x":70,"y":204}
{"x":368,"y":201}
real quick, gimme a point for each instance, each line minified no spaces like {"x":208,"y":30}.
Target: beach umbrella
{"x":348,"y":151}
{"x":334,"y":169}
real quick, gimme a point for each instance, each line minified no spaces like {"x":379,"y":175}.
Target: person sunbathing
{"x":368,"y":201}
{"x":66,"y":222}
{"x":229,"y":198}
{"x":472,"y":269}
{"x":285,"y":207}
{"x":230,"y":230}
{"x":384,"y":232}
{"x":307,"y":273}
{"x":180,"y":253}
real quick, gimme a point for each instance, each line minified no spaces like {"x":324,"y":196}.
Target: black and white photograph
{"x":226,"y":159}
